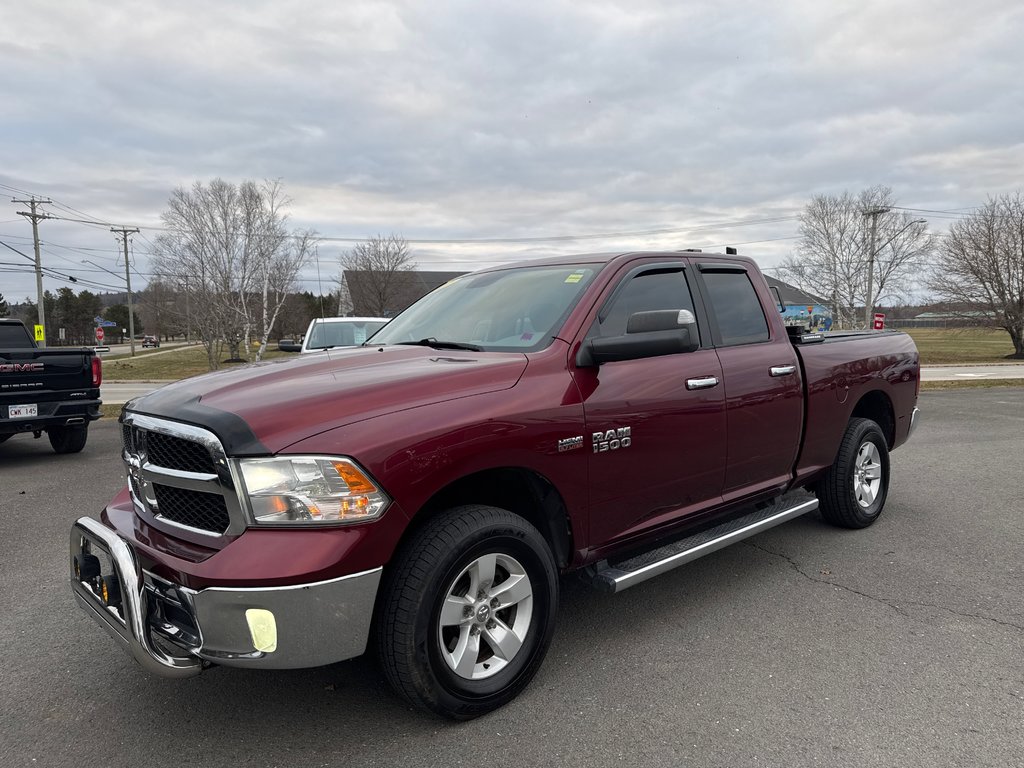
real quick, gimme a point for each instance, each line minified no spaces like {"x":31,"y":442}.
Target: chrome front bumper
{"x":175,"y":632}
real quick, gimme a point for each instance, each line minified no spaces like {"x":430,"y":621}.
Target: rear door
{"x":762,"y":383}
{"x":655,"y":426}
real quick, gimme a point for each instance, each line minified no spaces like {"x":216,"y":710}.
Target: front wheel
{"x":68,"y":439}
{"x":468,"y":612}
{"x":853,"y":491}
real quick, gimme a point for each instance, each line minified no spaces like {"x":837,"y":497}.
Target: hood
{"x":263,"y":408}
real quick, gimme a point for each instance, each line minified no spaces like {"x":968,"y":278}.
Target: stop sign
{"x":99,"y":334}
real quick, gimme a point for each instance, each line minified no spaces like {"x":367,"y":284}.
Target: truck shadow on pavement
{"x":594,"y":645}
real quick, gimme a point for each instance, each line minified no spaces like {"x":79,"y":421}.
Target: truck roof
{"x":612,"y":256}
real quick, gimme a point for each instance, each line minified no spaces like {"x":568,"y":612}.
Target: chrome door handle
{"x":782,"y":370}
{"x":702,"y":382}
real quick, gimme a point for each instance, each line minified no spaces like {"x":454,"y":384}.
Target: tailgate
{"x":44,"y":374}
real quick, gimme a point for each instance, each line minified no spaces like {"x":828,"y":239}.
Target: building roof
{"x":791,"y":295}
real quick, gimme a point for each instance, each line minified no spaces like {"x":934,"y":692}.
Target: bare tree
{"x":980,"y":267}
{"x":229,"y":247}
{"x":380,"y":261}
{"x":832,"y":256}
{"x":158,"y":309}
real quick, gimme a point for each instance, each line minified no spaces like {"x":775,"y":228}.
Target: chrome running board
{"x":620,"y":575}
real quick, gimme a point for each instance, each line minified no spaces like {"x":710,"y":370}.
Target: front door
{"x":656,"y":426}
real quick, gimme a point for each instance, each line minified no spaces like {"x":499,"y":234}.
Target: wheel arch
{"x":522,"y":491}
{"x":877,"y":406}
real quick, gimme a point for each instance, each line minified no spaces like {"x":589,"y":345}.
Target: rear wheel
{"x":68,"y":439}
{"x":468,"y":612}
{"x":853,"y":491}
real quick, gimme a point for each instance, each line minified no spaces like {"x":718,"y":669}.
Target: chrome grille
{"x":176,"y":453}
{"x":179,"y":478}
{"x":194,"y":509}
{"x":127,"y":438}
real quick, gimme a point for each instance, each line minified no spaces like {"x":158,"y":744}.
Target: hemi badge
{"x":570,"y":444}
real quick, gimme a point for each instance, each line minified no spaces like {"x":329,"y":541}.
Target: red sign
{"x":879,"y":321}
{"x":99,"y":334}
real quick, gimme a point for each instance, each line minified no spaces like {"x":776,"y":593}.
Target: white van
{"x":331,"y":332}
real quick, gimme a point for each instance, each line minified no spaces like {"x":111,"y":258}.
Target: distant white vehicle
{"x":331,"y":332}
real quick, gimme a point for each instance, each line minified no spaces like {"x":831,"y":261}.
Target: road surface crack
{"x":893,"y":604}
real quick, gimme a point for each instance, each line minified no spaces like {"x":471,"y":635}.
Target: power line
{"x":82,"y":221}
{"x":16,"y":267}
{"x":15,"y":189}
{"x":86,"y":251}
{"x":499,"y":240}
{"x":75,"y":210}
{"x":932,"y":210}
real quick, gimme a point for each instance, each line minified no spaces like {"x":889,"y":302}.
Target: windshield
{"x":342,"y":333}
{"x":517,"y":309}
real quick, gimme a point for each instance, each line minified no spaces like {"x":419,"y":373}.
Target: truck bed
{"x":839,"y":371}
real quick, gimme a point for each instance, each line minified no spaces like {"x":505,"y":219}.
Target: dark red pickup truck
{"x":611,"y":415}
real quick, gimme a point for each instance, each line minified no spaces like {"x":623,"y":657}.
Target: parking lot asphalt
{"x":898,"y":645}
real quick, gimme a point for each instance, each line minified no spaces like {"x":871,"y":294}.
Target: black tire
{"x":844,"y":493}
{"x":418,"y":647}
{"x":5,"y":438}
{"x":68,"y":439}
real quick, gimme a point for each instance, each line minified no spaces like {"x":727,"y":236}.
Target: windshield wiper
{"x":435,"y":344}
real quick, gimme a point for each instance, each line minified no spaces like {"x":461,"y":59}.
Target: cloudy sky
{"x":606,"y":122}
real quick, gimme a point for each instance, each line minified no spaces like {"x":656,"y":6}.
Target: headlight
{"x":310,"y":489}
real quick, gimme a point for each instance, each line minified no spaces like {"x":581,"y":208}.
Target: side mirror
{"x":648,"y":334}
{"x":661,"y":320}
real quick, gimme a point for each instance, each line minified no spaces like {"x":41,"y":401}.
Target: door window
{"x":735,"y":305}
{"x":656,"y":289}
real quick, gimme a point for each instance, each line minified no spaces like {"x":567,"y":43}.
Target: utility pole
{"x":124,"y":232}
{"x":36,"y":217}
{"x":869,"y":299}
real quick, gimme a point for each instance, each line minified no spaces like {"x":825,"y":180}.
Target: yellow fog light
{"x":110,"y":591}
{"x":262,"y":629}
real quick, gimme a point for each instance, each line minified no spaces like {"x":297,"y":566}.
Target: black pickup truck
{"x":56,"y":391}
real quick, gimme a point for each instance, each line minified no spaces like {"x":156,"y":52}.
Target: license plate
{"x":22,"y":411}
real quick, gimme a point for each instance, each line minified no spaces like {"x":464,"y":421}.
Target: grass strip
{"x":173,"y":365}
{"x":972,"y":384}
